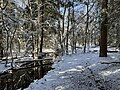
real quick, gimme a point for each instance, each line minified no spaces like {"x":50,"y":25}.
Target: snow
{"x":48,"y":50}
{"x":3,"y":68}
{"x":20,"y":3}
{"x":79,"y":72}
{"x":67,"y":74}
{"x":112,"y":57}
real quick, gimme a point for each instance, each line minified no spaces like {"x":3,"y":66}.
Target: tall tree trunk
{"x":67,"y":37}
{"x":37,"y":44}
{"x":1,"y":34}
{"x":63,"y":27}
{"x":73,"y":32}
{"x":104,"y":29}
{"x":118,"y":37}
{"x":60,"y":34}
{"x":86,"y":29}
{"x":7,"y":48}
{"x":33,"y":47}
{"x":11,"y":43}
{"x":42,"y":29}
{"x":1,"y":45}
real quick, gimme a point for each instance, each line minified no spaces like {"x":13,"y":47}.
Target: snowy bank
{"x":79,"y":72}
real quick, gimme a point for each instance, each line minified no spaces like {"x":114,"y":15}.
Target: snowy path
{"x":80,"y":72}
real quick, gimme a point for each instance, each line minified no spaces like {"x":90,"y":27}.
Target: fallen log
{"x":112,"y":62}
{"x":31,"y":66}
{"x":112,"y":51}
{"x":34,"y":60}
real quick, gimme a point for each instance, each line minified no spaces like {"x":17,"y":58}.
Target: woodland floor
{"x":81,"y":72}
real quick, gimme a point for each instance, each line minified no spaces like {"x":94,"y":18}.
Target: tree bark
{"x":1,"y":48}
{"x":73,"y":32}
{"x":42,"y":29}
{"x":1,"y":34}
{"x":67,"y":37}
{"x":104,"y":29}
{"x":86,"y":29}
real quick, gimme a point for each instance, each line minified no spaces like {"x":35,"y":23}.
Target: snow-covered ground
{"x":80,"y":72}
{"x":3,"y":68}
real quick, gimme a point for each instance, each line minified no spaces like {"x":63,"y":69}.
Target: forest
{"x":59,"y":40}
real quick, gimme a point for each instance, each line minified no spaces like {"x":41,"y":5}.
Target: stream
{"x":21,"y":78}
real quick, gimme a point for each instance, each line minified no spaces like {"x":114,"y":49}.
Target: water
{"x":20,"y":79}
